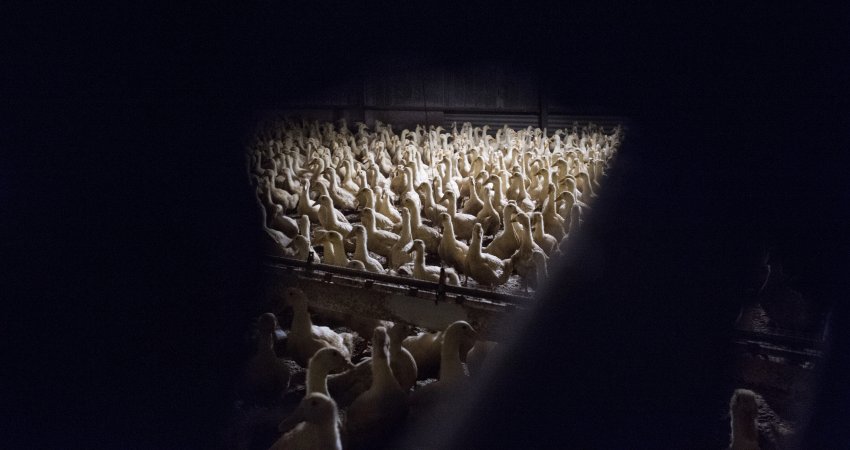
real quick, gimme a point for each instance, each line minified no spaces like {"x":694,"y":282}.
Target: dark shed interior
{"x":132,"y":257}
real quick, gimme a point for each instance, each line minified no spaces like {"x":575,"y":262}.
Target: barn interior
{"x":705,"y":282}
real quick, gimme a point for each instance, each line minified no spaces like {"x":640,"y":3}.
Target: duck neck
{"x":452,"y":208}
{"x":301,"y":321}
{"x":360,"y":250}
{"x":419,"y":257}
{"x":382,"y":374}
{"x":329,"y":214}
{"x":538,"y":231}
{"x":744,"y":430}
{"x":415,"y":220}
{"x":475,"y":245}
{"x":488,"y":204}
{"x":339,"y":253}
{"x":368,"y":199}
{"x":451,"y":368}
{"x":304,"y":200}
{"x":317,"y":379}
{"x":406,"y":235}
{"x":349,"y":169}
{"x":304,"y":227}
{"x":549,"y":204}
{"x":449,"y":231}
{"x":473,"y":191}
{"x":429,"y":198}
{"x":369,"y":224}
{"x":526,"y":238}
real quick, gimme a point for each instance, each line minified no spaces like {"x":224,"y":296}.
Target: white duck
{"x":488,"y":218}
{"x":361,"y":249}
{"x":552,"y":221}
{"x":473,"y":204}
{"x":452,"y":374}
{"x":428,"y":273}
{"x":452,"y":252}
{"x":547,"y":242}
{"x":401,"y":360}
{"x":302,"y":250}
{"x":462,"y":222}
{"x":430,"y":209}
{"x":325,"y":361}
{"x":280,"y":196}
{"x":541,"y":270}
{"x":478,"y":355}
{"x":341,"y":198}
{"x":278,"y":221}
{"x":278,"y":240}
{"x":312,"y":425}
{"x":517,"y":192}
{"x":398,"y":253}
{"x":485,"y":268}
{"x":429,"y":235}
{"x":328,"y":218}
{"x":380,"y":241}
{"x":506,"y":241}
{"x":304,"y":338}
{"x":334,"y":249}
{"x":366,"y":199}
{"x":385,"y":206}
{"x":306,"y":206}
{"x":743,"y":410}
{"x":376,"y":413}
{"x":266,"y":376}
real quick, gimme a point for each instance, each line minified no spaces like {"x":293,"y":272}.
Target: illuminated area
{"x":361,"y":199}
{"x":426,"y":238}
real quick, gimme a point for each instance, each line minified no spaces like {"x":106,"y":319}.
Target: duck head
{"x":448,"y":195}
{"x":462,"y":331}
{"x":332,"y":359}
{"x":314,"y":408}
{"x":266,"y":323}
{"x":357,"y":231}
{"x":295,"y":297}
{"x":445,"y":219}
{"x":326,"y":201}
{"x":417,"y":245}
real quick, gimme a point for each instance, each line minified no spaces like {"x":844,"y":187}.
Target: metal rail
{"x":411,"y":283}
{"x":330,"y":296}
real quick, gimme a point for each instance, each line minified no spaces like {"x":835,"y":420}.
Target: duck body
{"x":428,"y":273}
{"x":304,"y":338}
{"x":379,"y":411}
{"x":452,"y":252}
{"x":453,"y":378}
{"x":428,"y":235}
{"x":505,"y":243}
{"x":361,"y":251}
{"x":380,"y":241}
{"x":485,"y":268}
{"x":399,"y":255}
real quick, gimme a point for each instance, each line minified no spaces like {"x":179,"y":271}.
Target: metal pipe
{"x":409,"y":282}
